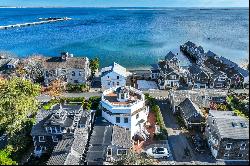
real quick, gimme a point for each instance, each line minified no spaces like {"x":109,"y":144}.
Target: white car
{"x":158,"y":152}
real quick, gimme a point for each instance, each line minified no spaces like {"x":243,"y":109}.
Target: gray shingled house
{"x":227,"y":136}
{"x":58,"y":124}
{"x":236,"y":78}
{"x":67,"y":68}
{"x":191,"y":115}
{"x":192,"y":50}
{"x":169,"y":76}
{"x":107,"y":143}
{"x":199,"y":77}
{"x":71,"y":149}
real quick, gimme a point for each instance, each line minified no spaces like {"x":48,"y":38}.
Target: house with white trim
{"x":228,"y":136}
{"x":125,"y":107}
{"x":114,"y":76}
{"x":74,"y":70}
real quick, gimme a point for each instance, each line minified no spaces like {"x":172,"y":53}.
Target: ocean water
{"x":133,"y":37}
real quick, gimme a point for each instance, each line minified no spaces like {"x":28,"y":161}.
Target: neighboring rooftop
{"x":170,"y":56}
{"x":100,"y":139}
{"x":189,"y":108}
{"x":112,"y":95}
{"x":199,"y":97}
{"x":170,"y":69}
{"x":121,"y":137}
{"x":60,"y":152}
{"x":230,"y":125}
{"x":115,"y":68}
{"x":58,"y":62}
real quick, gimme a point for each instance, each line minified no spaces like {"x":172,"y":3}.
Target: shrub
{"x":48,"y":105}
{"x":76,"y":87}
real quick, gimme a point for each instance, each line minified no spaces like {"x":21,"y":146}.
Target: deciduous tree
{"x":18,"y":101}
{"x":94,"y":65}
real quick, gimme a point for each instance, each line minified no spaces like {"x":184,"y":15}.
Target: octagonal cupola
{"x":122,"y":94}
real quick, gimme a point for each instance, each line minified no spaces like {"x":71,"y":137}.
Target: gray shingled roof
{"x":102,"y":135}
{"x":170,"y":56}
{"x":80,"y":141}
{"x":210,"y":54}
{"x":190,"y":44}
{"x":242,"y":71}
{"x":224,"y":120}
{"x":121,"y":137}
{"x":72,"y":160}
{"x":100,"y":139}
{"x":194,"y":69}
{"x":57,"y":62}
{"x":60,"y":152}
{"x":189,"y":108}
{"x":167,"y":70}
{"x":227,"y":62}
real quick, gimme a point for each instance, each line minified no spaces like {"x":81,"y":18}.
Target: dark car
{"x":198,"y":143}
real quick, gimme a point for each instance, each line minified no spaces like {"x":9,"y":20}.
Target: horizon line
{"x":121,"y":7}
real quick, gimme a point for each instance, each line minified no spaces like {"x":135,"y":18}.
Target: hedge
{"x":76,"y":87}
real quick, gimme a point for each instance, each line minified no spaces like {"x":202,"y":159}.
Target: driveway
{"x":176,"y":136}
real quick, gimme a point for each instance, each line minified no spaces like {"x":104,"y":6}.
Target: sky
{"x":125,"y":3}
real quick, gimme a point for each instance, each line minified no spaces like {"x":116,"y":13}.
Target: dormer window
{"x":243,"y":124}
{"x":41,"y":139}
{"x":55,"y":139}
{"x":121,"y":151}
{"x":228,"y":146}
{"x":47,"y":74}
{"x":243,"y":146}
{"x":234,"y":124}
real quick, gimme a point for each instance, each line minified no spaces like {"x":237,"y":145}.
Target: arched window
{"x":73,"y":73}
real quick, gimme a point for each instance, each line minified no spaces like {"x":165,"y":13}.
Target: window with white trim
{"x":109,"y":152}
{"x":173,"y":77}
{"x":55,"y":139}
{"x":226,"y":155}
{"x":121,"y":151}
{"x":118,"y":119}
{"x":125,"y":120}
{"x":73,"y":73}
{"x":228,"y":146}
{"x":243,"y":146}
{"x":240,"y":155}
{"x":41,"y":139}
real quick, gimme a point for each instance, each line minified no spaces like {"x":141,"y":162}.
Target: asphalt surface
{"x":45,"y":98}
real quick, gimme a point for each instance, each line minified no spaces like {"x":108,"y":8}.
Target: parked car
{"x":198,"y":143}
{"x":158,"y":152}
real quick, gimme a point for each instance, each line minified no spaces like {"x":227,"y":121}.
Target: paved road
{"x":46,"y":98}
{"x":157,"y":93}
{"x":239,"y":91}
